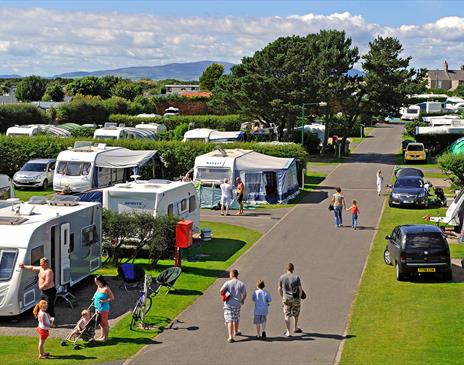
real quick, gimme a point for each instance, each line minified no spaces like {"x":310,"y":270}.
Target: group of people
{"x":226,"y":196}
{"x":337,"y":203}
{"x":44,"y":310}
{"x":233,"y":293}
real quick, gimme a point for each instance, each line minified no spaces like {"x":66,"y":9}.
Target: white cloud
{"x":49,"y":42}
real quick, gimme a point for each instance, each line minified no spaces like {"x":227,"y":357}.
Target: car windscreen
{"x":409,"y":183}
{"x":7,"y":264}
{"x":35,"y":167}
{"x":415,"y":147}
{"x":425,"y":240}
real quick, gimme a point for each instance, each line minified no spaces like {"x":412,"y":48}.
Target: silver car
{"x":37,"y":173}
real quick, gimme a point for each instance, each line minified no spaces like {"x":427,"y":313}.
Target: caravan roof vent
{"x":101,"y":146}
{"x":110,"y":125}
{"x":82,"y":144}
{"x":64,"y":200}
{"x":5,"y":221}
{"x":37,"y":200}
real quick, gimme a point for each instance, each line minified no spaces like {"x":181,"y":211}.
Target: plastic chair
{"x":131,"y":274}
{"x":168,"y":278}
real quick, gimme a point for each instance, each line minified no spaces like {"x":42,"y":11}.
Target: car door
{"x":50,"y":171}
{"x":394,"y":244}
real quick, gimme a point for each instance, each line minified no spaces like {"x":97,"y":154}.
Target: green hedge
{"x":179,"y":157}
{"x":221,"y":122}
{"x":20,"y":114}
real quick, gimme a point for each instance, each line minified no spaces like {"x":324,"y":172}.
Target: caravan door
{"x":65,"y":260}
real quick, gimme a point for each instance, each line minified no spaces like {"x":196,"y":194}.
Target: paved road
{"x":329,"y":260}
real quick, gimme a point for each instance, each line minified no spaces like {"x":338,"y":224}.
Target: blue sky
{"x":393,"y":12}
{"x":56,"y":36}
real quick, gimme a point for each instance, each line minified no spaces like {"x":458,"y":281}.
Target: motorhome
{"x":34,"y":129}
{"x":158,"y":197}
{"x":66,"y":231}
{"x":211,"y":135}
{"x":111,"y":131}
{"x":88,"y":166}
{"x":411,"y":112}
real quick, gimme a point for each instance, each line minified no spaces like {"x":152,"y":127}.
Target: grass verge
{"x":228,"y":243}
{"x":404,"y":322}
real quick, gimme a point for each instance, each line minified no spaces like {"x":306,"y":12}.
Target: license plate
{"x":426,"y":269}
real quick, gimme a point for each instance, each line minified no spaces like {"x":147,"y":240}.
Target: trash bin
{"x":361,"y":126}
{"x":346,"y":149}
{"x":184,"y":234}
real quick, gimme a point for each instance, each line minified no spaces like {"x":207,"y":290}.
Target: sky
{"x":55,"y":36}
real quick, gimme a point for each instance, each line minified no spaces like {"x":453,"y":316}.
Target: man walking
{"x":234,"y":293}
{"x":290,"y":290}
{"x":46,"y":282}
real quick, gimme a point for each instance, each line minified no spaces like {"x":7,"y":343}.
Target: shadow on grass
{"x":112,"y":341}
{"x":71,"y":357}
{"x":218,"y":249}
{"x":313,"y":181}
{"x":185,"y":292}
{"x":213,"y":273}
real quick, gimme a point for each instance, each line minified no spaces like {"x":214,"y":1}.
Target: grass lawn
{"x":24,"y":195}
{"x":228,"y":243}
{"x":404,"y":322}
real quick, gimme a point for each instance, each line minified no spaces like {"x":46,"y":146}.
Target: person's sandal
{"x":298,"y":330}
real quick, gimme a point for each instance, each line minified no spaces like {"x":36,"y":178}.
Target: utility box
{"x":184,"y":234}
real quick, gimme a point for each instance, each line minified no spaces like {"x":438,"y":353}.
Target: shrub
{"x":410,"y":127}
{"x":453,"y":166}
{"x":20,"y":114}
{"x":83,"y":109}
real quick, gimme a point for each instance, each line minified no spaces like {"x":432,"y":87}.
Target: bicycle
{"x":143,"y":303}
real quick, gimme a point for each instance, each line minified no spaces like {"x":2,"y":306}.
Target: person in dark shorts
{"x":240,"y":191}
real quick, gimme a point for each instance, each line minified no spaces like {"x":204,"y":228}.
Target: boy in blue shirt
{"x":261,"y":298}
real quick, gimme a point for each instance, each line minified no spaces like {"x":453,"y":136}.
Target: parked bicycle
{"x":143,"y":303}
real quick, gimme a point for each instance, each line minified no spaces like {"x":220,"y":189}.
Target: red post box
{"x":184,"y":234}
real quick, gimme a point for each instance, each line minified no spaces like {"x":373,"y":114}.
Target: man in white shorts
{"x":226,"y":196}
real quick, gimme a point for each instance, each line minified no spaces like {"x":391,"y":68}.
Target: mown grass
{"x":404,"y":322}
{"x":25,"y":195}
{"x":228,"y":243}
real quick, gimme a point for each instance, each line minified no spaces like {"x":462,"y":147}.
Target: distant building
{"x":9,"y":98}
{"x":178,"y":89}
{"x":445,"y":79}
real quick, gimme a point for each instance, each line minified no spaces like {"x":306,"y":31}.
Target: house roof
{"x":195,"y":94}
{"x":443,"y":75}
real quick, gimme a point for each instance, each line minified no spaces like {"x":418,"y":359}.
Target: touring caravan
{"x":34,"y":129}
{"x":111,"y":131}
{"x":153,"y":127}
{"x":211,"y":135}
{"x":159,"y":197}
{"x":64,"y":230}
{"x":88,"y":166}
{"x":412,"y":112}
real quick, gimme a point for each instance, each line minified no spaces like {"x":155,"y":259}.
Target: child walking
{"x":43,"y":329}
{"x":354,"y":214}
{"x":261,"y":298}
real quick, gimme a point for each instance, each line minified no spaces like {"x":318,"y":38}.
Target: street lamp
{"x":321,"y":103}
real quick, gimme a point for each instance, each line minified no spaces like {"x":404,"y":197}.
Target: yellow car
{"x":415,"y":152}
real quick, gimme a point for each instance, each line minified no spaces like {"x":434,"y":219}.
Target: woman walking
{"x":379,"y":182}
{"x":338,"y":202}
{"x":101,"y":300}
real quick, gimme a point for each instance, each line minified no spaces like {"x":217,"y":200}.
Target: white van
{"x":88,"y":166}
{"x":68,"y":233}
{"x":159,"y":197}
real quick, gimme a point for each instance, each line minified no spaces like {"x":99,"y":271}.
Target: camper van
{"x":88,"y":166}
{"x":158,"y":197}
{"x":211,"y":135}
{"x":65,"y":231}
{"x":111,"y":131}
{"x":412,"y":112}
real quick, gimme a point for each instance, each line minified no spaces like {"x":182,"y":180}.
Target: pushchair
{"x":85,"y":334}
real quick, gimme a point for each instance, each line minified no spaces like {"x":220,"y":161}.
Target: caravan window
{"x":171,"y":210}
{"x":192,"y":203}
{"x":89,"y":235}
{"x":7,"y":263}
{"x":182,"y":206}
{"x":36,"y":254}
{"x":213,"y":173}
{"x":73,"y":168}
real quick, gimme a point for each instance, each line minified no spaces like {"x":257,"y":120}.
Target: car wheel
{"x":399,"y":275}
{"x":390,"y":204}
{"x":45,"y":184}
{"x":387,"y":257}
{"x":448,"y":276}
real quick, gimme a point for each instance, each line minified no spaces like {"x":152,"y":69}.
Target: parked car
{"x":37,"y":173}
{"x":415,"y":152}
{"x":418,"y":249}
{"x":409,"y":190}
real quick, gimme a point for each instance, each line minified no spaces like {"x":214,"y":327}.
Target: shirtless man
{"x":240,"y":191}
{"x":46,"y":282}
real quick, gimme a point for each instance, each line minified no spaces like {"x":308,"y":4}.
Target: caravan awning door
{"x":65,"y":248}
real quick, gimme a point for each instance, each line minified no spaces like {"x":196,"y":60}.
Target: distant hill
{"x":10,"y":76}
{"x":179,"y":71}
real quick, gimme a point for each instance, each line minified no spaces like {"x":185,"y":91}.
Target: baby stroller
{"x":85,"y":334}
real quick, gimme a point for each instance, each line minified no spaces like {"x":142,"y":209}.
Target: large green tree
{"x":92,"y":85}
{"x":31,"y":88}
{"x":210,"y":76}
{"x":127,"y":90}
{"x":53,"y":92}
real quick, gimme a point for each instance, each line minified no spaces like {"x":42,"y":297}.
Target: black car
{"x":408,"y":171}
{"x":409,"y":190}
{"x":418,"y":249}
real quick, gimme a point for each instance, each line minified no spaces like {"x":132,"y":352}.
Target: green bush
{"x":179,"y":157}
{"x":453,"y":166}
{"x":20,"y":114}
{"x":83,"y":109}
{"x":410,"y":127}
{"x":220,"y":122}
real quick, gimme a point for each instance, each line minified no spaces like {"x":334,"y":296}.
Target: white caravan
{"x":431,"y":106}
{"x":111,"y":131}
{"x":411,"y":112}
{"x":212,"y":135}
{"x":6,"y":187}
{"x":34,"y":129}
{"x":67,"y":232}
{"x":88,"y":166}
{"x":153,"y":127}
{"x":159,"y":197}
